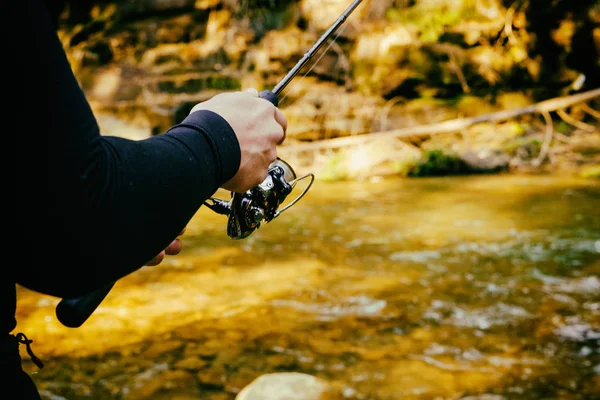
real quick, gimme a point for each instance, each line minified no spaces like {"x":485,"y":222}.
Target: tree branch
{"x":547,"y":140}
{"x":451,"y":126}
{"x":572,"y":121}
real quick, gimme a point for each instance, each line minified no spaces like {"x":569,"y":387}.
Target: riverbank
{"x":145,"y":64}
{"x":566,"y":142}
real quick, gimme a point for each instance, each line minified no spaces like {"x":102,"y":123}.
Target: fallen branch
{"x":591,"y":111}
{"x":547,"y":140}
{"x":576,"y":123}
{"x":451,"y":126}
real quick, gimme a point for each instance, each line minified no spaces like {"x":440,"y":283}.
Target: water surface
{"x":482,"y":287}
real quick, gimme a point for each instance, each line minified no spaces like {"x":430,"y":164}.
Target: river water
{"x":484,"y":287}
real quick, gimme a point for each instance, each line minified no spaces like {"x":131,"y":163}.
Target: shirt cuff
{"x":220,"y":134}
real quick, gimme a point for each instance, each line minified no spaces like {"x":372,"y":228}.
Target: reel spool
{"x":246,"y":211}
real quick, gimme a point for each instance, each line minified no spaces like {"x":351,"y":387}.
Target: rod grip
{"x":72,"y":313}
{"x":269,"y":96}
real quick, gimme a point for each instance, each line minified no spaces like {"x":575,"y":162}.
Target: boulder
{"x":287,"y":386}
{"x":485,"y":161}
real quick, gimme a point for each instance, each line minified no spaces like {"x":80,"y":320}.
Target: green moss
{"x":404,"y":166}
{"x":469,"y":105}
{"x":517,"y":129}
{"x":335,"y":168}
{"x":439,"y":163}
{"x":432,"y":19}
{"x":590,"y":171}
{"x":562,"y":127}
{"x":531,"y":145}
{"x":199,"y":84}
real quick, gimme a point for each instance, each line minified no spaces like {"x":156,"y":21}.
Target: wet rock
{"x":282,"y":361}
{"x":241,"y":378}
{"x":213,"y":378}
{"x":219,"y":396}
{"x":192,"y":364}
{"x":199,"y":350}
{"x":162,"y":347}
{"x":148,"y":385}
{"x":287,"y":386}
{"x":485,"y":161}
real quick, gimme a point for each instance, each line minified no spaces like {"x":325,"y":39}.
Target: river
{"x":482,"y":287}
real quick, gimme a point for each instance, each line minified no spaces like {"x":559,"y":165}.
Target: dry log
{"x":451,"y":126}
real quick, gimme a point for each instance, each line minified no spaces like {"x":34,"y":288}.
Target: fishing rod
{"x":276,"y":91}
{"x":245,"y":211}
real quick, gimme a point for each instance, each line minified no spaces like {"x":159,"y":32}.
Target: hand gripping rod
{"x":74,"y":312}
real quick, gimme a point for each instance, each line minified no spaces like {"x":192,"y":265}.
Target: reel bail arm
{"x":247,"y":210}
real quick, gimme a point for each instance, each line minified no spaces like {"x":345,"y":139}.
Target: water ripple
{"x":359,"y":305}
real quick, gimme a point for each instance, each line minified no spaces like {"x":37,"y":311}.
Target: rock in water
{"x":485,"y":161}
{"x":287,"y":386}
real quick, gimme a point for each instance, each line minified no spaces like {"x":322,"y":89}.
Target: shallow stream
{"x":484,"y":287}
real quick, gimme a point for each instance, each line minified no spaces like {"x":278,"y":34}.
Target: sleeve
{"x":97,"y":208}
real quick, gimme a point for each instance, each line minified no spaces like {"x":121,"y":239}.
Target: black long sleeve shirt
{"x":89,"y":208}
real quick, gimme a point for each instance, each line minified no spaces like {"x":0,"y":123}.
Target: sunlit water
{"x":481,"y":287}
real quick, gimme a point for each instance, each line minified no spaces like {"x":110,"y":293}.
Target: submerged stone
{"x":287,"y":386}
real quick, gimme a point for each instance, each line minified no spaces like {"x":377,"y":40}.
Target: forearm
{"x":131,"y":199}
{"x":89,"y":208}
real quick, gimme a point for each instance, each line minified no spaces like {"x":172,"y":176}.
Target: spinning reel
{"x":246,"y":211}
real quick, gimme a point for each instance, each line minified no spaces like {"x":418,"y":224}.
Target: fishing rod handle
{"x":269,"y":96}
{"x":72,"y":313}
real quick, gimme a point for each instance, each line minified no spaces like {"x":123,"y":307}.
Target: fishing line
{"x":331,"y":42}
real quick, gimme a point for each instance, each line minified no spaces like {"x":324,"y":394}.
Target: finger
{"x":197,"y":107}
{"x":174,"y":248}
{"x":252,"y":91}
{"x":156,"y":260}
{"x":281,"y":120}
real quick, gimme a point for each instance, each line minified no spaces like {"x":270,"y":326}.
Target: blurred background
{"x":448,"y":249}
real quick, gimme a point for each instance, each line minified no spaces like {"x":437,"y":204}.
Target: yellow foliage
{"x":513,"y":100}
{"x":489,"y":63}
{"x":284,"y":44}
{"x":596,"y":34}
{"x":591,"y":171}
{"x":470,"y":106}
{"x":321,"y":14}
{"x":383,"y":47}
{"x":563,"y":34}
{"x":518,"y":53}
{"x":217,"y":20}
{"x":206,"y":4}
{"x":533,"y":67}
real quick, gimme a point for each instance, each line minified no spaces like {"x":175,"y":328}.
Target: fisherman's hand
{"x":259,"y":127}
{"x":172,"y":249}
